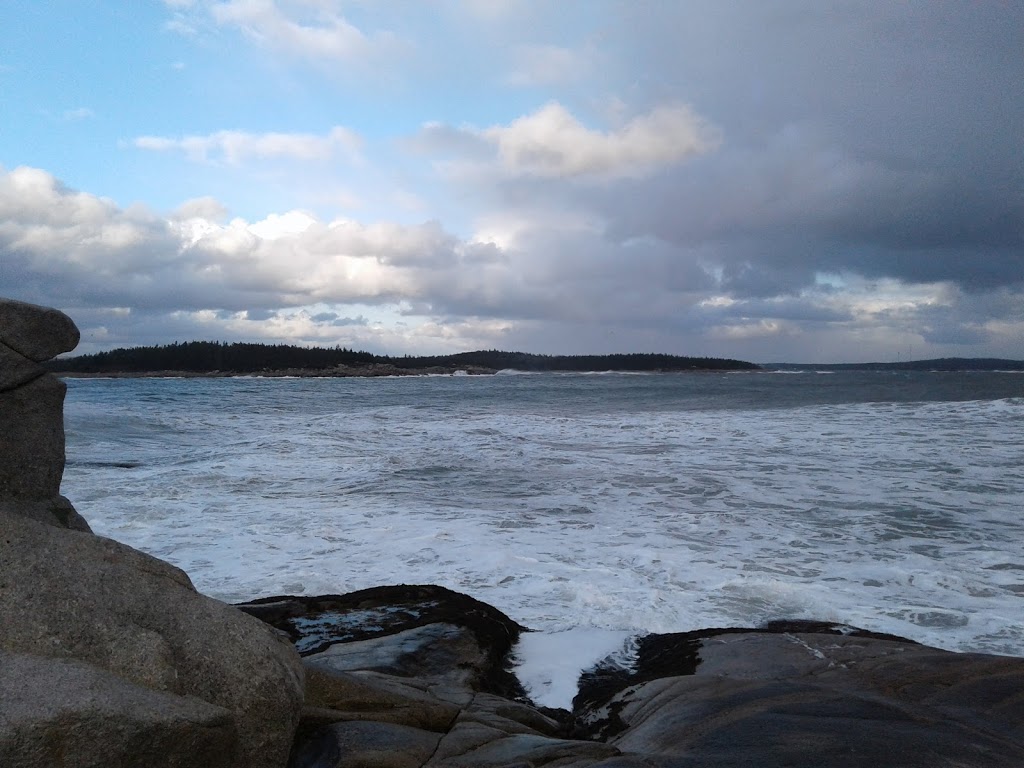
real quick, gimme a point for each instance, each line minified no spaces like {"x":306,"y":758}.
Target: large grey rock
{"x":32,"y":440}
{"x":57,"y":712}
{"x":16,"y":369}
{"x":73,"y":596}
{"x":35,"y":332}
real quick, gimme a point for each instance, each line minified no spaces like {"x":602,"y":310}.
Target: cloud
{"x":798,"y":203}
{"x":80,"y":113}
{"x":542,"y":65}
{"x":323,"y":33}
{"x":235,"y":147}
{"x":90,"y":251}
{"x":204,"y":208}
{"x":553,"y":144}
{"x":313,"y":30}
{"x":492,"y":10}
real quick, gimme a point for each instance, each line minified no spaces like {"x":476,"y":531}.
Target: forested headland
{"x":218,"y":358}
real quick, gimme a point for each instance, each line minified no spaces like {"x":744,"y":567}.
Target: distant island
{"x":212,"y":358}
{"x":939,"y":364}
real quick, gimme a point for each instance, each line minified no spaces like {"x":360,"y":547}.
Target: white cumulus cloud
{"x":314,"y":30}
{"x":553,"y":143}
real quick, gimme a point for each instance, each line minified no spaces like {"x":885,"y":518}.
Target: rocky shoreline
{"x":417,"y":676}
{"x":110,"y":657}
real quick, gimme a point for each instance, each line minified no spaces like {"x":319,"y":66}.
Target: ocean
{"x":587,"y":507}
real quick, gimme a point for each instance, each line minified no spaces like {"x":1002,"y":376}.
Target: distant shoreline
{"x":354,"y":373}
{"x":203,"y":359}
{"x":216,"y":359}
{"x":339,"y":372}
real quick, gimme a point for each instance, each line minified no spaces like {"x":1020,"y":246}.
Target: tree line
{"x":215,"y":356}
{"x":210,"y":356}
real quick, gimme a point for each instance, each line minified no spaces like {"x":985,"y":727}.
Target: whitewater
{"x":587,"y":507}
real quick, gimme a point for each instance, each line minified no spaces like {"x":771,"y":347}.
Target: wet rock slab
{"x":807,"y":699}
{"x":415,"y":676}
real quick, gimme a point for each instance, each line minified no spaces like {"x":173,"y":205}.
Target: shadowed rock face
{"x":32,"y":413}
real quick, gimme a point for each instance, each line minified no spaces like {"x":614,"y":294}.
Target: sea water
{"x":588,"y":507}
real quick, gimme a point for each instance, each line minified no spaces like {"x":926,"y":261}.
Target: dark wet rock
{"x":412,"y":664}
{"x":442,"y":653}
{"x":806,"y":699}
{"x":318,"y":623}
{"x":679,"y":653}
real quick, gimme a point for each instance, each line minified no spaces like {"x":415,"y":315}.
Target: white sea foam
{"x":593,"y":505}
{"x":549,"y":663}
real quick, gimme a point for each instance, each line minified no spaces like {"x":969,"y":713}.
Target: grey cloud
{"x":255,"y":314}
{"x":944,"y":330}
{"x":835,"y":217}
{"x":344,"y":322}
{"x":799,"y":310}
{"x":885,"y":136}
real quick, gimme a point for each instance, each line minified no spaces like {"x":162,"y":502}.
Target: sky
{"x":767,"y":180}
